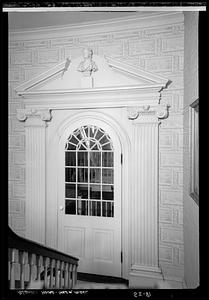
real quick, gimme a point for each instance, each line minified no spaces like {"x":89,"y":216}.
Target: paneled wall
{"x":154,"y":46}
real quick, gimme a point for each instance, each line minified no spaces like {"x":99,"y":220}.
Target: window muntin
{"x":89,"y":173}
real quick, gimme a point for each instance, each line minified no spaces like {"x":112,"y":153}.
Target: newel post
{"x":145,"y":269}
{"x":35,"y":132}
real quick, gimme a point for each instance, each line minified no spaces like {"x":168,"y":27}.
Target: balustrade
{"x":30,"y":262}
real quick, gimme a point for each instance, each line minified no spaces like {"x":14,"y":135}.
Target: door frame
{"x":64,"y":126}
{"x":117,"y":180}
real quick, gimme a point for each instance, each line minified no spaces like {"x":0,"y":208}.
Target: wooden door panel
{"x":90,"y":198}
{"x":74,"y":239}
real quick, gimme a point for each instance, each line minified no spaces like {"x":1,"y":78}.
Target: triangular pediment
{"x":110,"y":73}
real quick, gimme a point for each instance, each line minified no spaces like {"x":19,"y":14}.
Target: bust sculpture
{"x":87,"y":66}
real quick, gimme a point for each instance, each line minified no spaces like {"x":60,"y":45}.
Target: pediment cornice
{"x":50,"y":89}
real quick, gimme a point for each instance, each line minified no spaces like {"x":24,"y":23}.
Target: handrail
{"x":20,"y":243}
{"x":62,"y":267}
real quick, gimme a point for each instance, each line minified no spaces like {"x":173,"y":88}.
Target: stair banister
{"x":56,"y":269}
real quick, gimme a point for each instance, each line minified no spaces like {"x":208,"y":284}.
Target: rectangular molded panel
{"x":103,"y":245}
{"x":74,"y":241}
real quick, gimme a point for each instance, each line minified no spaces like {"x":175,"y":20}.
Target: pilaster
{"x":35,"y":132}
{"x":145,"y":269}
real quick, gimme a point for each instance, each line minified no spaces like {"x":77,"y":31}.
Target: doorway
{"x":89,"y":212}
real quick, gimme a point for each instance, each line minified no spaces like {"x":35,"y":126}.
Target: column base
{"x":145,"y":277}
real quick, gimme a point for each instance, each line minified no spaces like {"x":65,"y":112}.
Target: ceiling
{"x":31,"y":20}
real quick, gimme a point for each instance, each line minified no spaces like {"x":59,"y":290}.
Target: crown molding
{"x":117,"y":24}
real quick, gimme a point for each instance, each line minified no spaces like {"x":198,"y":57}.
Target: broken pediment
{"x":91,"y":72}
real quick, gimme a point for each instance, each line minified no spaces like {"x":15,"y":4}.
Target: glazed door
{"x":89,"y":202}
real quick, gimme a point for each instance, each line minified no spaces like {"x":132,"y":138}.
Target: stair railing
{"x":30,"y":262}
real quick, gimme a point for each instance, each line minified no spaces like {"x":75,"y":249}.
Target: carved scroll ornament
{"x":43,"y":114}
{"x":160,"y":112}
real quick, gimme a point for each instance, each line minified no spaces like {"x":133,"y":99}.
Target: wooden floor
{"x":93,"y":281}
{"x":98,"y":285}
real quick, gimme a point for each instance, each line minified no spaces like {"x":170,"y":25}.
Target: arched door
{"x":89,"y":212}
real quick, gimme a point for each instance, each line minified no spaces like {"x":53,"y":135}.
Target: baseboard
{"x":184,"y":284}
{"x":144,"y":278}
{"x":175,"y":282}
{"x":154,"y":278}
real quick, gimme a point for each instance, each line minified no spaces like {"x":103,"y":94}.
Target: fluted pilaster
{"x":35,"y":132}
{"x":145,"y":260}
{"x":145,"y":199}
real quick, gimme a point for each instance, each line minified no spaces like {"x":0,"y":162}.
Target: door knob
{"x":61,"y":207}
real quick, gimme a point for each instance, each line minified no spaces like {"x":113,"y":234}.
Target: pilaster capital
{"x":42,"y":114}
{"x":162,"y":111}
{"x":147,"y":113}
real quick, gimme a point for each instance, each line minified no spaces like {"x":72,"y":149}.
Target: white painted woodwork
{"x":35,"y":182}
{"x":26,"y":268}
{"x":145,"y":248}
{"x":145,"y":257}
{"x":96,"y":241}
{"x":130,"y":114}
{"x":35,"y":126}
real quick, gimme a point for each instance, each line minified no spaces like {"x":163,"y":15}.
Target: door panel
{"x":89,"y":215}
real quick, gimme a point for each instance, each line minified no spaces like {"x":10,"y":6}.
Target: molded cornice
{"x":119,"y":24}
{"x":154,"y":83}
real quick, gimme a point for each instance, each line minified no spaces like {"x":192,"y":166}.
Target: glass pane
{"x":92,"y":131}
{"x":107,"y":147}
{"x":107,"y":209}
{"x":73,"y":140}
{"x":82,"y":158}
{"x":107,"y":159}
{"x":95,"y":191}
{"x":99,"y":134}
{"x":82,"y":175}
{"x":95,"y":175}
{"x":82,"y":147}
{"x":107,"y":176}
{"x":70,"y":158}
{"x":95,"y":147}
{"x":86,"y":130}
{"x":95,"y":208}
{"x":77,"y":133}
{"x":82,"y":207}
{"x":95,"y":159}
{"x":92,"y":144}
{"x":70,"y":207}
{"x":71,"y":147}
{"x":104,"y":140}
{"x":82,"y":191}
{"x":70,"y":174}
{"x":69,"y":190}
{"x":108,"y":192}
